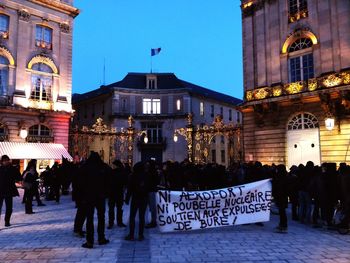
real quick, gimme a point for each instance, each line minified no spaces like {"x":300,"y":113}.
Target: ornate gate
{"x":108,"y":142}
{"x":200,"y":140}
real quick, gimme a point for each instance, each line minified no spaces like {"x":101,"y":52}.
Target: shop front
{"x":45,"y":153}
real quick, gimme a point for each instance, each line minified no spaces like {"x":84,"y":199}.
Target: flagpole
{"x":151,"y":62}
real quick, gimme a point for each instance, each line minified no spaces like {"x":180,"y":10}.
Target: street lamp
{"x":175,"y":137}
{"x":329,"y":122}
{"x":23,"y":133}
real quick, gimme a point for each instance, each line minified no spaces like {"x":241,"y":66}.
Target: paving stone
{"x":47,"y":237}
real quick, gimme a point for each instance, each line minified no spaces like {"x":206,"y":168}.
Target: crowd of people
{"x":313,"y":191}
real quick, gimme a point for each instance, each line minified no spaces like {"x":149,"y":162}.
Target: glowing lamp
{"x":23,"y":133}
{"x":175,"y":138}
{"x":329,"y":122}
{"x":145,"y":140}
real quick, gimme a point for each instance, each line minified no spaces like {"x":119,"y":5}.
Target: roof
{"x":165,"y":81}
{"x":44,"y":151}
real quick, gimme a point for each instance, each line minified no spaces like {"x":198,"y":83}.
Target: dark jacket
{"x":8,"y":177}
{"x":94,"y":174}
{"x":280,"y":187}
{"x":117,"y":182}
{"x":139,"y":183}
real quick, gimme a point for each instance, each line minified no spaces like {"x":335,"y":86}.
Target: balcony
{"x":43,"y":44}
{"x":40,"y":104}
{"x":292,"y":17}
{"x":40,"y":138}
{"x":153,"y":143}
{"x":4,"y":138}
{"x":323,"y":82}
{"x":4,"y":34}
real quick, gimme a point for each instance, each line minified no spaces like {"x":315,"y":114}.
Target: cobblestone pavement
{"x":46,"y":236}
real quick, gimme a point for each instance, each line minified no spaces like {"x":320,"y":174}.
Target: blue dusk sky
{"x":200,"y":40}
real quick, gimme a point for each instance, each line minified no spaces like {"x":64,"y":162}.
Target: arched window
{"x":39,"y":133}
{"x":301,"y":62}
{"x":303,"y":121}
{"x":41,"y":82}
{"x":299,"y":44}
{"x":4,"y":73}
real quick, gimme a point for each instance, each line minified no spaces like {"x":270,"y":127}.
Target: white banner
{"x":183,"y":211}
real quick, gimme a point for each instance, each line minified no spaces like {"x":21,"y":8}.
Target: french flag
{"x":155,"y":51}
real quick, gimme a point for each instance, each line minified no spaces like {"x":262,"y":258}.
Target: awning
{"x":44,"y":151}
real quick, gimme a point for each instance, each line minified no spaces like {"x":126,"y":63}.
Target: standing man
{"x":152,"y":175}
{"x":8,"y":177}
{"x":94,"y":191}
{"x":117,"y":182}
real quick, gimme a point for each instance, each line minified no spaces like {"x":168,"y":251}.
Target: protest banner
{"x":243,"y":204}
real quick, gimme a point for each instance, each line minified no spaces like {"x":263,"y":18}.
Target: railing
{"x":43,"y":44}
{"x":40,"y":138}
{"x":328,"y":81}
{"x":152,"y":143}
{"x":40,"y":104}
{"x":4,"y":138}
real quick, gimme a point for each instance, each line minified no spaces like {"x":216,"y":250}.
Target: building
{"x":159,"y":103}
{"x":296,"y":57}
{"x":35,"y":72}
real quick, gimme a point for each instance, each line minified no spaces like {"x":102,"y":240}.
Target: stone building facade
{"x":296,"y":56}
{"x":159,"y":103}
{"x":36,"y":70}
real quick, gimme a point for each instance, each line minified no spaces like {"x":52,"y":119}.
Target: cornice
{"x":59,"y":6}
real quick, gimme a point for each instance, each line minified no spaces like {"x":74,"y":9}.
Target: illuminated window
{"x":151,"y":106}
{"x":201,"y":108}
{"x":4,"y":72}
{"x":303,"y":121}
{"x":178,"y":104}
{"x":4,"y":26}
{"x":301,"y":62}
{"x":41,"y":82}
{"x":43,"y":37}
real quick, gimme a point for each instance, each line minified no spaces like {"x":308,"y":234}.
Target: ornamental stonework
{"x":23,"y":15}
{"x":65,"y":28}
{"x":328,"y":81}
